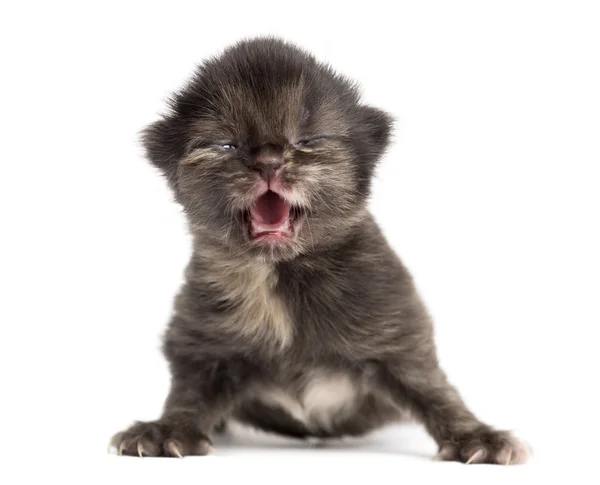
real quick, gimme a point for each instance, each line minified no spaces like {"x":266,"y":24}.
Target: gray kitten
{"x":296,"y":316}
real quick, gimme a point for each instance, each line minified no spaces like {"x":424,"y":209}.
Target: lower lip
{"x":273,"y":236}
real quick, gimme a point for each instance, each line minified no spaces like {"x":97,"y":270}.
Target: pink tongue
{"x":270,"y":209}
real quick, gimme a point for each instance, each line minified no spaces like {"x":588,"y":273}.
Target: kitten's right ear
{"x":164,"y":144}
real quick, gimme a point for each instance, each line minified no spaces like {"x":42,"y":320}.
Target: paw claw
{"x":140,"y":449}
{"x":475,"y":456}
{"x":174,"y":449}
{"x":508,"y":458}
{"x":122,"y":446}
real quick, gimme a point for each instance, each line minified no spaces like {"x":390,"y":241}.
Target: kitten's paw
{"x":484,"y":445}
{"x":158,"y":439}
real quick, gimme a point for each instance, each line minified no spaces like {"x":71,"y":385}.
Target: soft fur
{"x":321,"y":334}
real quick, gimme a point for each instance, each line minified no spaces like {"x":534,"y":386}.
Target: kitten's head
{"x":270,"y":152}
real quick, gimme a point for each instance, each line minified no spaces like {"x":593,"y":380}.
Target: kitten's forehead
{"x":267,"y":91}
{"x":241,"y":111}
{"x":272,"y":111}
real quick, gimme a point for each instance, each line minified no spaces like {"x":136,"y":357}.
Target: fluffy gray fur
{"x":321,"y":334}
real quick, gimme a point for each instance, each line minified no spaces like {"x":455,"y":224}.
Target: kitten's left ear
{"x":373,"y":129}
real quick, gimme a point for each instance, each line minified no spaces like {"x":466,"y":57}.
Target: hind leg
{"x":272,"y":419}
{"x":221,"y":427}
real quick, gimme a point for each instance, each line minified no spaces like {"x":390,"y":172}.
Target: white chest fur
{"x":259,"y":313}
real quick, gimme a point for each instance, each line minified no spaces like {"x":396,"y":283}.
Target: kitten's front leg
{"x":423,"y":387}
{"x":201,"y":396}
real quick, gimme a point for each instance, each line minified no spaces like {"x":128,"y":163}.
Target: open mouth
{"x":271,"y":217}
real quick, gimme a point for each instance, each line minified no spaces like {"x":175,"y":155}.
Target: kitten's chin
{"x":272,"y":220}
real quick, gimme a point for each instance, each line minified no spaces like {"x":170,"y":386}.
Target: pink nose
{"x":267,"y":171}
{"x":266,"y":160}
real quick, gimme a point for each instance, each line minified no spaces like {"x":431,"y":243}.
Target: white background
{"x":489,"y":193}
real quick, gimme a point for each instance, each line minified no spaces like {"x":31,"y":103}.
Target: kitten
{"x":296,"y":316}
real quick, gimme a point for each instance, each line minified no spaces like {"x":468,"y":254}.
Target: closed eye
{"x":199,"y":144}
{"x":306,"y":143}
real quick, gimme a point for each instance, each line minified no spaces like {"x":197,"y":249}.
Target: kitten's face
{"x":269,"y":152}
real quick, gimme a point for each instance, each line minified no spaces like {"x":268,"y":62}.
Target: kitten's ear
{"x":374,"y":130}
{"x":164,"y":144}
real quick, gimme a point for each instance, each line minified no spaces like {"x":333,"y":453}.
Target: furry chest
{"x":257,"y":311}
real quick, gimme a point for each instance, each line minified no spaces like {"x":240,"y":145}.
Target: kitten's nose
{"x":267,"y":170}
{"x":267,"y":161}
